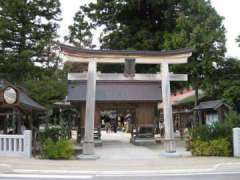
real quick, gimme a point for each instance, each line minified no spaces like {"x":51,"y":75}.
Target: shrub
{"x":201,"y":132}
{"x":233,"y":119}
{"x":49,"y":150}
{"x":53,"y":133}
{"x":200,"y":148}
{"x":65,"y":149}
{"x":62,"y":149}
{"x":218,"y":147}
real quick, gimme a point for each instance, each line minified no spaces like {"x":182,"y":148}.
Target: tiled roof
{"x":215,"y":104}
{"x":72,"y":49}
{"x":24,"y":99}
{"x":180,"y":97}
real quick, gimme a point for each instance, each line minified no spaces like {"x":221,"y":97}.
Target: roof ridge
{"x":122,"y":51}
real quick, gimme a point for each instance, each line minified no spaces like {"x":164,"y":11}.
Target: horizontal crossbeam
{"x":173,"y":59}
{"x":121,"y":77}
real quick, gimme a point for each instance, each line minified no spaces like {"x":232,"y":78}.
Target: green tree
{"x":47,"y":90}
{"x":80,"y":32}
{"x":229,"y":85}
{"x":164,"y":25}
{"x":26,"y":29}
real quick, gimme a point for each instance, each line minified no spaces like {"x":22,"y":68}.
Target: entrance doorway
{"x":137,"y":118}
{"x":118,"y":120}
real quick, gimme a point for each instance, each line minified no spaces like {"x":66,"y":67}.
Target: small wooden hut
{"x":17,"y":109}
{"x":212,"y":111}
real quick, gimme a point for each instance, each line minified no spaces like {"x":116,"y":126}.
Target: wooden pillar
{"x":80,"y":123}
{"x":5,"y":124}
{"x":18,"y":116}
{"x":97,"y":122}
{"x":30,"y":118}
{"x":200,"y":118}
{"x":88,"y":145}
{"x":170,"y":146}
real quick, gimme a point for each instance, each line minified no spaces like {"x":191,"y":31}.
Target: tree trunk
{"x":195,"y":113}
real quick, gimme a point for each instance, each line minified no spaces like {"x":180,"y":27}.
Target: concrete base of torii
{"x":88,"y":152}
{"x":171,"y":154}
{"x":88,"y":157}
{"x":170,"y":149}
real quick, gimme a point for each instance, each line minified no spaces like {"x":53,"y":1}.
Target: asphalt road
{"x":182,"y":176}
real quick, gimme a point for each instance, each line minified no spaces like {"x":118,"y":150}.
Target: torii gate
{"x":94,"y":57}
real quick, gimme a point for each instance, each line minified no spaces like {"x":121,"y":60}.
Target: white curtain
{"x":211,"y":118}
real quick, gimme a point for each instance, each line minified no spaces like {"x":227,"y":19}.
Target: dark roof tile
{"x":214,"y":104}
{"x":125,"y":52}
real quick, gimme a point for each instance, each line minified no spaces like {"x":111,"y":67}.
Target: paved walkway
{"x":116,"y":146}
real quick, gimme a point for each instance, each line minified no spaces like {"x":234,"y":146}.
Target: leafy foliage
{"x":80,"y":32}
{"x":65,"y":148}
{"x":53,"y":133}
{"x":227,"y":85}
{"x":62,"y":149}
{"x":49,"y":149}
{"x":218,"y":147}
{"x":47,"y":90}
{"x":26,"y":31}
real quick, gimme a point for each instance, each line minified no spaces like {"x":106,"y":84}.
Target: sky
{"x":229,"y":9}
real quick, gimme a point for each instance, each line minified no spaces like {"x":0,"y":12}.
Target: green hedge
{"x":62,"y":149}
{"x":217,"y":147}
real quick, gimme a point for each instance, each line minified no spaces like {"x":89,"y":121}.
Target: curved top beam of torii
{"x":73,"y":54}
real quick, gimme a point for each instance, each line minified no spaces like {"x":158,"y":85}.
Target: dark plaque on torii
{"x":129,"y":68}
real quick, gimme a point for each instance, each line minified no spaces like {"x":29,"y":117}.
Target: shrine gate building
{"x":94,"y":91}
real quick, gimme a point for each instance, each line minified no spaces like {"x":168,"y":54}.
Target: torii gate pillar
{"x":169,"y":143}
{"x":88,"y":144}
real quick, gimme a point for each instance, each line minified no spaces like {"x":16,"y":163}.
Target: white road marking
{"x":112,"y":172}
{"x":165,"y":174}
{"x":41,"y":176}
{"x":226,"y":164}
{"x":58,"y":176}
{"x":181,"y":172}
